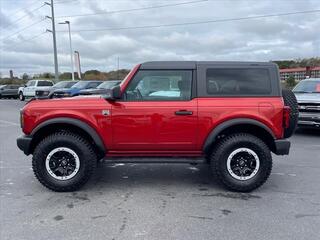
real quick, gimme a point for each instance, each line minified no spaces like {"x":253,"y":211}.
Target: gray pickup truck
{"x":308,"y":95}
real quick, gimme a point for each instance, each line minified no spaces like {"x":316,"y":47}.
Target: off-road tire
{"x":225,"y":147}
{"x":21,"y":97}
{"x":290,"y":100}
{"x":79,"y":145}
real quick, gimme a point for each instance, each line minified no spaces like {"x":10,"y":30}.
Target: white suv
{"x":29,"y":90}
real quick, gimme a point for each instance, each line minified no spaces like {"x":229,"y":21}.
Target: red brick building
{"x":300,"y":73}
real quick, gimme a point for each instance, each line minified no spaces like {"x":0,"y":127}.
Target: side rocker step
{"x":195,"y":160}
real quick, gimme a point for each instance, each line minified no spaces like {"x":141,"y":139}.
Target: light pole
{"x":71,"y":51}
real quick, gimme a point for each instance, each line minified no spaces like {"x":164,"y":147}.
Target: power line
{"x":133,"y":9}
{"x":21,"y":30}
{"x":25,"y":8}
{"x":27,"y":40}
{"x":34,"y":37}
{"x":24,"y":16}
{"x":198,"y":22}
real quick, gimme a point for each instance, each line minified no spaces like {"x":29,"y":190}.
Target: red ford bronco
{"x":231,"y":115}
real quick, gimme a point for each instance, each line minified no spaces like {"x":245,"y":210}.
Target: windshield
{"x":80,"y":84}
{"x":64,"y":84}
{"x":108,"y":84}
{"x":308,"y":87}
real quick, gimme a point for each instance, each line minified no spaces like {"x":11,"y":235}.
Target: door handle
{"x":183,"y":112}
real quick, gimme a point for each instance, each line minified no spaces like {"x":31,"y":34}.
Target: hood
{"x":308,"y":97}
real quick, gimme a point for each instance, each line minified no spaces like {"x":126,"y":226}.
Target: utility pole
{"x":71,"y":51}
{"x":53,"y":31}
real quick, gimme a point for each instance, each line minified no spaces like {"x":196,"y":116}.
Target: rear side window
{"x":44,"y":84}
{"x":235,"y":82}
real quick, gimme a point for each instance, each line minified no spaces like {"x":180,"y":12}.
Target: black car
{"x":101,"y":89}
{"x":9,"y":91}
{"x":48,"y":92}
{"x":308,"y":96}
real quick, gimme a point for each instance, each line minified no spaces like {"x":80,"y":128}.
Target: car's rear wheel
{"x":64,"y":161}
{"x":21,"y":97}
{"x":241,"y":162}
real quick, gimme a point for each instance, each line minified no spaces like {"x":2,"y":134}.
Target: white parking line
{"x":9,"y":123}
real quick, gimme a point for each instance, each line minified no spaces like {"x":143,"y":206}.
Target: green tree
{"x":25,"y":76}
{"x":65,"y":75}
{"x":290,"y":82}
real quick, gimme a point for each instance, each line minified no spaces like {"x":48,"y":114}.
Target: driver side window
{"x":157,"y":85}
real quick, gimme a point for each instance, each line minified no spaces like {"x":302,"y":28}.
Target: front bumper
{"x":24,"y":144}
{"x":309,"y":119}
{"x":282,"y":147}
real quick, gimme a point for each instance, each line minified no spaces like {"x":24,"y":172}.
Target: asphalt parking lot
{"x":152,"y":201}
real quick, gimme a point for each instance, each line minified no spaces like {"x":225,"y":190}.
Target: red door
{"x":154,"y":126}
{"x":157,"y":113}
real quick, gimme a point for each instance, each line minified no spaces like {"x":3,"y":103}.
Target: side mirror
{"x":113,"y":94}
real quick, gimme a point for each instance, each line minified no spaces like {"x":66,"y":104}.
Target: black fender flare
{"x":233,"y":122}
{"x":77,"y":123}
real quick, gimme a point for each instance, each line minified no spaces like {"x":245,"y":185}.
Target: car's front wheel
{"x":21,"y":97}
{"x":64,"y":161}
{"x":241,"y":162}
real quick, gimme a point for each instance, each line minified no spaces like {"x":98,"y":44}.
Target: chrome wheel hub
{"x":243,"y":164}
{"x":62,"y":163}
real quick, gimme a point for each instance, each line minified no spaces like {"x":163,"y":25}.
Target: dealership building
{"x":300,"y":73}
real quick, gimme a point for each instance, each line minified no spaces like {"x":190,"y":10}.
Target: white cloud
{"x":286,"y":37}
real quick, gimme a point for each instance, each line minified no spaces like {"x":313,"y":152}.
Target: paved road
{"x":159,"y":201}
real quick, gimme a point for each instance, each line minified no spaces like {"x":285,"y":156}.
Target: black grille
{"x":309,"y":107}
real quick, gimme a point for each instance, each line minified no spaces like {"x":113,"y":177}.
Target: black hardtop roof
{"x":193,"y":64}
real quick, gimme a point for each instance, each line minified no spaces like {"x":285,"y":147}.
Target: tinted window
{"x":149,"y":85}
{"x":70,"y":84}
{"x":230,"y":81}
{"x":65,"y":84}
{"x":80,"y":84}
{"x":108,"y":84}
{"x":44,"y":84}
{"x":93,"y":84}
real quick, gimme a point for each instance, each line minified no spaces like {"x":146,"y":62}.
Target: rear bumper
{"x":282,"y":147}
{"x":309,"y":119}
{"x":24,"y":144}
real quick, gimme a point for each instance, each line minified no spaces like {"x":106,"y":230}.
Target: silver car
{"x":308,"y":95}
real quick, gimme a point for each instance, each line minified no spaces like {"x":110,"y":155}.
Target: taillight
{"x":286,"y":116}
{"x":21,"y":119}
